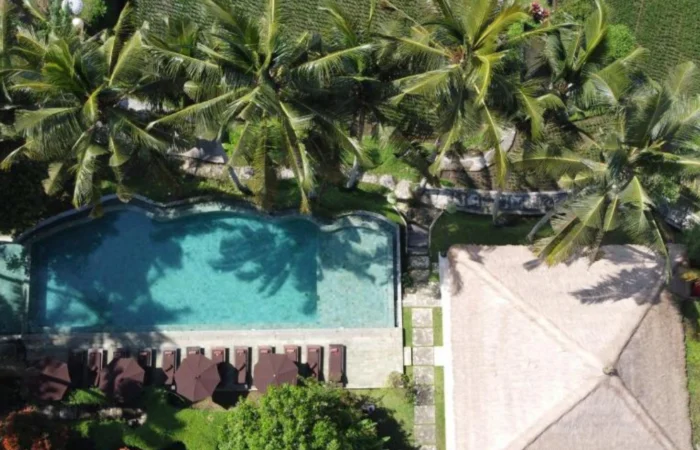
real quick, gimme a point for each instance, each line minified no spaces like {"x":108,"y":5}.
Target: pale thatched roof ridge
{"x":536,"y":352}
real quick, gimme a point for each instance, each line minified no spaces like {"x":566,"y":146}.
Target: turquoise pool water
{"x":126,"y":271}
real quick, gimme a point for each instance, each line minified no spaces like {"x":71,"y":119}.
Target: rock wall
{"x":481,"y":202}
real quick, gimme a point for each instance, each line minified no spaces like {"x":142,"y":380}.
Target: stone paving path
{"x":424,"y":376}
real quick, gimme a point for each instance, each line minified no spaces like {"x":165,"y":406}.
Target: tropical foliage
{"x":326,"y":105}
{"x":314,"y":417}
{"x":653,"y":133}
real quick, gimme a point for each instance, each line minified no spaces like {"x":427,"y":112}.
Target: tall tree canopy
{"x":313,"y":417}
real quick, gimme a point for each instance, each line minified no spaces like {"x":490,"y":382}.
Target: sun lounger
{"x":194,"y":351}
{"x":314,"y":361}
{"x":263,"y":349}
{"x":145,"y":360}
{"x":218,"y":355}
{"x":292,"y":352}
{"x":242,"y":364}
{"x":95,"y":361}
{"x":120,"y":353}
{"x":336,"y":364}
{"x":76,"y":367}
{"x":169,"y":366}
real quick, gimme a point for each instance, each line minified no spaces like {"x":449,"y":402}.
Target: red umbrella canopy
{"x":274,"y":369}
{"x":52,"y":380}
{"x":123,"y":379}
{"x":197,"y":377}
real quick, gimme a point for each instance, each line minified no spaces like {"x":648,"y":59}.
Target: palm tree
{"x":246,"y":75}
{"x":655,"y":133}
{"x":581,"y":72}
{"x":79,"y":123}
{"x":470,"y":70}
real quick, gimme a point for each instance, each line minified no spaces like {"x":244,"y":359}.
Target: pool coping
{"x":182,"y":208}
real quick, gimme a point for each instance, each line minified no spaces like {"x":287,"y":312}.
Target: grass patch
{"x":396,"y":421}
{"x":691,"y":316}
{"x":407,"y":327}
{"x":437,"y":327}
{"x":166,"y":424}
{"x":440,"y":407}
{"x":464,"y":228}
{"x":92,"y":396}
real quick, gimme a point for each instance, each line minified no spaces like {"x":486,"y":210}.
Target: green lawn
{"x":166,"y":424}
{"x":437,"y":327}
{"x":440,"y":406}
{"x":692,"y":353}
{"x":668,"y":29}
{"x":407,"y":327}
{"x":395,"y":415}
{"x":464,"y":228}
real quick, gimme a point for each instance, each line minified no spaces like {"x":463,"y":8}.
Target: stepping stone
{"x":422,"y":317}
{"x":423,"y":356}
{"x":425,"y":395}
{"x":423,"y":337}
{"x":424,"y":375}
{"x":424,"y":414}
{"x":419,"y":262}
{"x":424,"y":434}
{"x":419,"y":276}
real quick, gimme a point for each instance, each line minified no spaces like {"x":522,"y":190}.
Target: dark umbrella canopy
{"x":123,"y":379}
{"x":274,"y":369}
{"x":197,"y":377}
{"x":51,"y":379}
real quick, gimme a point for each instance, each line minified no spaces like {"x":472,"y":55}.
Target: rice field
{"x":299,"y":16}
{"x":669,"y":29}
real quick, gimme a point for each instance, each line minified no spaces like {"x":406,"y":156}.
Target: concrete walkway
{"x":424,"y":376}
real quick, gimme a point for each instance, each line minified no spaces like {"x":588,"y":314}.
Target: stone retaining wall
{"x":481,"y":202}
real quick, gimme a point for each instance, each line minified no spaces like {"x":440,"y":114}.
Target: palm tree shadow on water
{"x":88,"y":278}
{"x":300,"y":253}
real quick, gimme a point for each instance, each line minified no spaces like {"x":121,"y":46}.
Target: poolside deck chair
{"x":145,"y":360}
{"x":336,"y":363}
{"x":120,"y":353}
{"x":263,"y":349}
{"x":218,"y":355}
{"x":314,"y":361}
{"x":169,"y":366}
{"x":292,"y":352}
{"x":76,"y":367}
{"x":242,"y":364}
{"x":95,"y":362}
{"x":194,"y":351}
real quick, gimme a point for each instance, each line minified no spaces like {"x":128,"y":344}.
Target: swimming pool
{"x":216,"y":269}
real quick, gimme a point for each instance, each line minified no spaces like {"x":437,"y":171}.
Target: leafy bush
{"x":93,"y":10}
{"x":578,"y":10}
{"x":620,"y":41}
{"x":27,"y":429}
{"x":312,"y":417}
{"x":384,"y":160}
{"x":22,"y":198}
{"x":398,"y":380}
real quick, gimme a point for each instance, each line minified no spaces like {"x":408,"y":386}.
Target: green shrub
{"x":22,"y":198}
{"x":578,"y":10}
{"x":93,"y":10}
{"x":620,"y":41}
{"x":312,"y":417}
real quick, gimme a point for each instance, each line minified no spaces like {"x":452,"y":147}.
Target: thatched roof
{"x":575,"y":356}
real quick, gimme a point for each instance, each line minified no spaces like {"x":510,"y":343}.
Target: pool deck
{"x":371,"y":354}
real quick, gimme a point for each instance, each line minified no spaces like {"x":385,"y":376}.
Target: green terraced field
{"x":670,"y":29}
{"x":299,"y":15}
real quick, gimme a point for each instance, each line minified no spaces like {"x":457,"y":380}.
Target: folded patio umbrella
{"x":197,"y":377}
{"x":122,"y":379}
{"x":274,"y":369}
{"x":50,"y":379}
